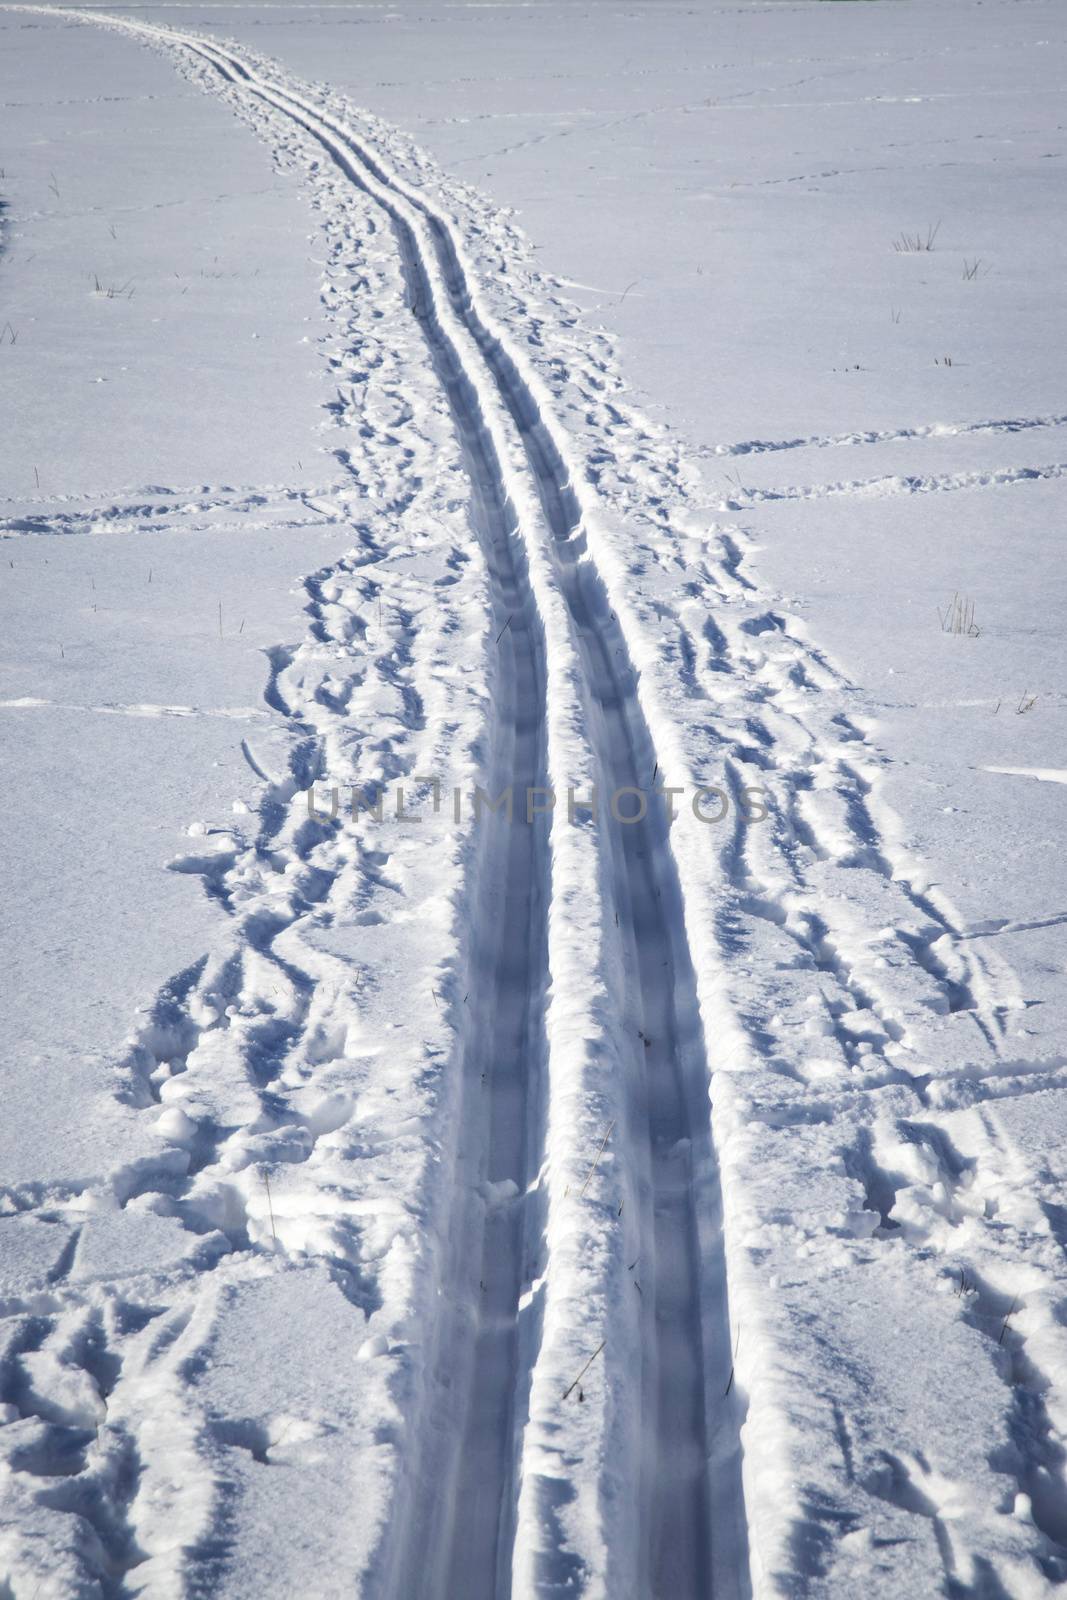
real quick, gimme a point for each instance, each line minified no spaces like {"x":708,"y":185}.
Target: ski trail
{"x":509,"y":946}
{"x":678,"y":1489}
{"x":676,"y":1484}
{"x":509,"y":976}
{"x":508,"y":958}
{"x":508,"y":981}
{"x":866,"y":1013}
{"x":249,"y":1041}
{"x":664,"y":1016}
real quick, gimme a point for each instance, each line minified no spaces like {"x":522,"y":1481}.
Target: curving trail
{"x":444,"y":1093}
{"x":479,"y":375}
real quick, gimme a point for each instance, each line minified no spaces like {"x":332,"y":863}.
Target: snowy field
{"x":413,"y":1192}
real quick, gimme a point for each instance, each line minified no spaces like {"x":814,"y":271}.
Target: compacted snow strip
{"x":676,"y":1529}
{"x":677,"y":1490}
{"x":579,"y":1307}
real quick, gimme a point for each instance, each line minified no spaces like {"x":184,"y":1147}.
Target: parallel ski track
{"x":676,"y":1477}
{"x":472,"y":1515}
{"x":682,"y":1504}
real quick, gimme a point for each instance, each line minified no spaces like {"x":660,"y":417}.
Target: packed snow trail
{"x":677,"y":1531}
{"x":508,"y":983}
{"x":668,"y":1030}
{"x":561,"y":1217}
{"x":676,"y":1483}
{"x":676,"y":1474}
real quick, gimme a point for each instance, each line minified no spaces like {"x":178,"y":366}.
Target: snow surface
{"x":409,"y":1203}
